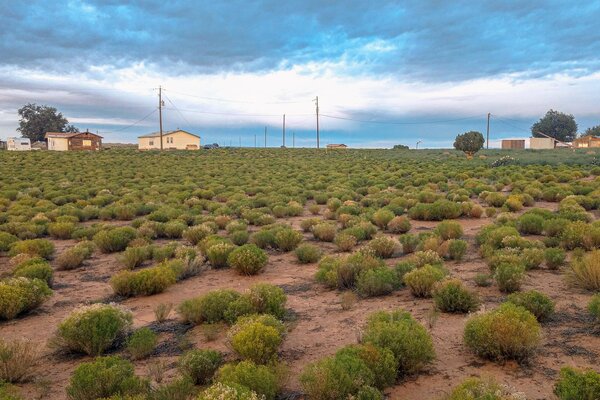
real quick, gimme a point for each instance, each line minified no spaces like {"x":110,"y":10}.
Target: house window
{"x":151,"y":142}
{"x":87,"y":142}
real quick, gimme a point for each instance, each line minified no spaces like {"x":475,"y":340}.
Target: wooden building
{"x":586,"y":141}
{"x":171,"y":140}
{"x":510,"y":144}
{"x":72,"y":141}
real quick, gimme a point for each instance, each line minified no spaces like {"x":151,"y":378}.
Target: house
{"x":70,"y":141}
{"x":542,"y":143}
{"x":509,"y":144}
{"x":336,"y":146}
{"x":586,"y":141}
{"x":172,"y":140}
{"x":18,"y":144}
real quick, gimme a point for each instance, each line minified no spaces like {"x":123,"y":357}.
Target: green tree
{"x":37,"y":120}
{"x":469,"y":142}
{"x":555,"y":124}
{"x":593,"y":131}
{"x":400,"y":147}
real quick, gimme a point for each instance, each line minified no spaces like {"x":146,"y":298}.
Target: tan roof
{"x":67,"y":134}
{"x":157,"y":134}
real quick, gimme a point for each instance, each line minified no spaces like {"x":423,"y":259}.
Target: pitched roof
{"x":67,"y":134}
{"x":157,"y":134}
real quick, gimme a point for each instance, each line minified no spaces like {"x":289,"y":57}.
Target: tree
{"x":469,"y":142}
{"x":400,"y":147}
{"x":555,"y":124}
{"x":37,"y":120}
{"x":593,"y":131}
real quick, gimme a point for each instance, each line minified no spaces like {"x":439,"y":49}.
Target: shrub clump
{"x":308,"y":253}
{"x":594,"y":309}
{"x":115,"y":239}
{"x":408,"y":340}
{"x":218,"y":254}
{"x":324,"y":231}
{"x":383,"y":246}
{"x":535,"y":302}
{"x":34,"y":247}
{"x":258,"y":378}
{"x":584,"y":272}
{"x":421,"y":281}
{"x":200,"y":365}
{"x":35,"y":268}
{"x":219,"y":391}
{"x":555,"y":257}
{"x":248,"y":259}
{"x":378,"y":281}
{"x":508,"y":332}
{"x":452,"y":296}
{"x":576,"y":384}
{"x":449,"y":230}
{"x":256,"y":339}
{"x":399,"y":224}
{"x":141,"y":343}
{"x":144,"y":282}
{"x":17,"y":359}
{"x":19,"y":295}
{"x":75,"y":256}
{"x":509,"y":276}
{"x":93,"y":329}
{"x":483,"y":389}
{"x":287,"y":239}
{"x":209,"y":308}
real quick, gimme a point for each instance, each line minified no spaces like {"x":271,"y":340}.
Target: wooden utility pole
{"x":240,"y":142}
{"x":317,"y":109}
{"x":283,"y":130}
{"x":293,"y":139}
{"x":255,"y":140}
{"x":265,"y":137}
{"x":160,"y":105}
{"x":487,"y":142}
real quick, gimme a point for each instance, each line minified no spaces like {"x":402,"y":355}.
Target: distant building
{"x":337,"y":146}
{"x":542,"y":143}
{"x":586,"y":141}
{"x":18,"y":144}
{"x":71,"y":141}
{"x":172,"y":140}
{"x":509,"y":144}
{"x":2,"y":145}
{"x":39,"y":145}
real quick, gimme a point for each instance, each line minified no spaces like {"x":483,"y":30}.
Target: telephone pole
{"x":283,"y":130}
{"x":293,"y":139}
{"x":240,"y":142}
{"x":265,"y":137}
{"x":317,"y":109}
{"x":160,"y":105}
{"x":255,"y":140}
{"x":487,"y":142}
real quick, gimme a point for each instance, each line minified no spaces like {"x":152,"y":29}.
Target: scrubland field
{"x":300,"y":274}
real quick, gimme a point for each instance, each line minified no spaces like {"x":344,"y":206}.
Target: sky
{"x":385,"y":72}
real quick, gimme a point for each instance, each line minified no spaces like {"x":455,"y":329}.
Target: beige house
{"x":71,"y":141}
{"x":542,"y":143}
{"x":172,"y":140}
{"x":337,"y":146}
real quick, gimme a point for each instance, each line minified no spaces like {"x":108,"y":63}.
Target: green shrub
{"x":264,"y":238}
{"x":530,"y":224}
{"x":341,"y":272}
{"x":576,"y":384}
{"x":452,"y":296}
{"x":287,"y":239}
{"x":239,"y":237}
{"x":248,"y":259}
{"x":255,"y":341}
{"x":19,"y":295}
{"x":345,"y":241}
{"x":594,"y":308}
{"x":421,"y":281}
{"x":409,"y":242}
{"x":427,"y":257}
{"x":383,"y":246}
{"x":509,"y":277}
{"x":258,"y":378}
{"x":508,"y":332}
{"x":379,"y":360}
{"x":218,"y":254}
{"x":532,"y":258}
{"x":436,"y":211}
{"x":402,"y":269}
{"x":399,"y":224}
{"x":449,"y":230}
{"x":456,"y":249}
{"x":33,"y":247}
{"x":35,"y":268}
{"x":267,"y":299}
{"x":75,"y":256}
{"x":133,"y":257}
{"x":6,"y":240}
{"x":195,"y":234}
{"x":382,"y":217}
{"x":324,"y":231}
{"x":218,"y":391}
{"x":535,"y":302}
{"x":93,"y":329}
{"x":584,"y":272}
{"x":408,"y":340}
{"x":482,"y":389}
{"x":308,"y":253}
{"x":144,"y":282}
{"x":61,"y":230}
{"x":377,"y":282}
{"x":555,"y":257}
{"x":209,"y":308}
{"x":105,"y":377}
{"x":200,"y":365}
{"x":141,"y":343}
{"x":181,"y":388}
{"x":115,"y":239}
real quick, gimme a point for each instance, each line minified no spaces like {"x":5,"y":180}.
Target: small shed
{"x":18,"y":144}
{"x":509,"y":144}
{"x":2,"y":145}
{"x":336,"y":146}
{"x":69,"y":141}
{"x":542,"y":143}
{"x":586,"y":141}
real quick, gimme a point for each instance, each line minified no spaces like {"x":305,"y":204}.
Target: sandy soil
{"x":318,"y":325}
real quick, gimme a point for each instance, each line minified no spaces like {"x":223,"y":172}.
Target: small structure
{"x":18,"y":144}
{"x":336,"y":146}
{"x":543,"y":143}
{"x":39,"y":145}
{"x":2,"y":145}
{"x":586,"y":141}
{"x":510,"y":144}
{"x":70,"y":141}
{"x":172,"y":140}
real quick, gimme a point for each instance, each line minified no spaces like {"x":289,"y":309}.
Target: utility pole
{"x":265,"y":137}
{"x":283,"y":130}
{"x":160,"y":105}
{"x":240,"y":141}
{"x":317,"y":109}
{"x":488,"y":132}
{"x":255,"y":140}
{"x":293,"y":139}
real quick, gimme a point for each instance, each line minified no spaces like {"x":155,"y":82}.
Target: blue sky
{"x":385,"y":72}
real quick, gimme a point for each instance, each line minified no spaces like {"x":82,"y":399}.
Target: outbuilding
{"x":18,"y":144}
{"x":509,"y":144}
{"x":71,"y":141}
{"x":542,"y":143}
{"x":586,"y":141}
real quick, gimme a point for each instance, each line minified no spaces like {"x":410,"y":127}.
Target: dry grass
{"x":162,"y":311}
{"x":585,"y":272}
{"x":17,"y":359}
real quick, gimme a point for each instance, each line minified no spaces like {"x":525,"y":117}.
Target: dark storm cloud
{"x":425,"y":40}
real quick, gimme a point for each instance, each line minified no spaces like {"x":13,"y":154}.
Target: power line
{"x":238,"y":101}
{"x":134,"y":124}
{"x":397,"y":122}
{"x":242,"y":114}
{"x":179,"y":112}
